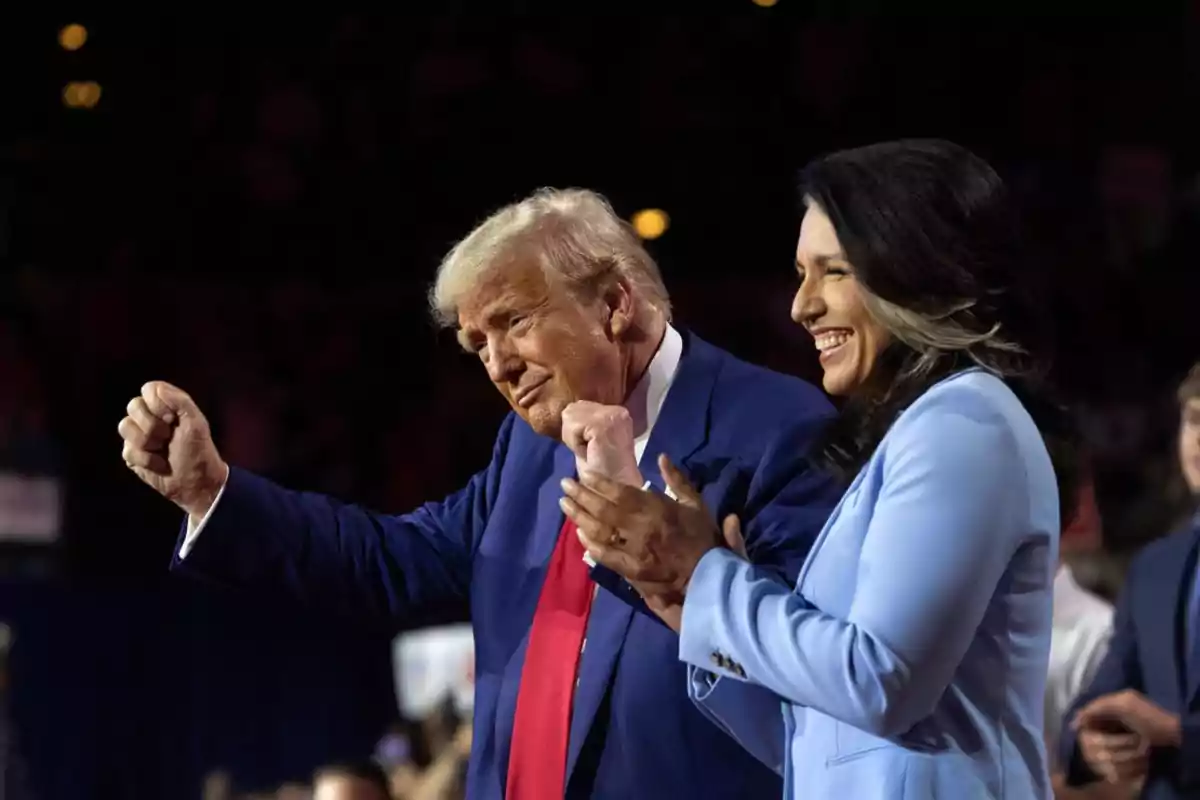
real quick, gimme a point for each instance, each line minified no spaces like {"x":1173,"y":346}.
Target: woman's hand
{"x":652,"y":541}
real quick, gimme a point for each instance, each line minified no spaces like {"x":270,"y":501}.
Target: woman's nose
{"x":806,"y":306}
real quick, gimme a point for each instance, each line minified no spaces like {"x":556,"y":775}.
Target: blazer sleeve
{"x":314,"y":549}
{"x":787,"y":505}
{"x":788,"y":502}
{"x":750,"y":714}
{"x":948,"y":519}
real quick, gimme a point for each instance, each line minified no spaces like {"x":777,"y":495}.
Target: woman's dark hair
{"x":935,"y":242}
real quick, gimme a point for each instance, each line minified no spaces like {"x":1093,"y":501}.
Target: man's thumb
{"x":167,"y":402}
{"x":733,"y":536}
{"x":680,"y":487}
{"x":1093,"y":710}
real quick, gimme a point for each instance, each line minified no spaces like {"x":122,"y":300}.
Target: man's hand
{"x":1115,"y":757}
{"x":169,"y":446}
{"x":1100,"y":790}
{"x":1117,"y":732}
{"x":1130,"y":711}
{"x":601,"y":437}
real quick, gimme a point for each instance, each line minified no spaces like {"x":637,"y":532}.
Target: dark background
{"x":254,"y":210}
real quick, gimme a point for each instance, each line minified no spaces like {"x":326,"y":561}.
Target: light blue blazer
{"x":910,"y":661}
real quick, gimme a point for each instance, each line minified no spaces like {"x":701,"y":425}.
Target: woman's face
{"x":1189,"y":443}
{"x":829,"y":305}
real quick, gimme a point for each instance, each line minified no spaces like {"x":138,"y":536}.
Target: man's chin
{"x":543,"y":419}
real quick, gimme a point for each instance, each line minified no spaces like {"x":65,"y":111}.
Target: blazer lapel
{"x":824,"y":534}
{"x":680,"y":430}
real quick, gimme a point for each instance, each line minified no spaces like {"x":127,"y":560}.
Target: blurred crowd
{"x":256,"y":220}
{"x":284,"y":201}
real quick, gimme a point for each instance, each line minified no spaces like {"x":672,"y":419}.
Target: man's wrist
{"x":208,"y":491}
{"x":632,"y":477}
{"x":1172,"y":731}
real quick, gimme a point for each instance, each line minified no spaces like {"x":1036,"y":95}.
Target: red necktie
{"x":537,"y":761}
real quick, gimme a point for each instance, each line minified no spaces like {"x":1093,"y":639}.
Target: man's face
{"x":542,"y":347}
{"x":1189,"y":443}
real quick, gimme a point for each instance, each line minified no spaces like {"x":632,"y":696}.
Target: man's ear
{"x":618,"y":307}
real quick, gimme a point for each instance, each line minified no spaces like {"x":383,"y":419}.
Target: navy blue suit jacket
{"x":1147,"y":655}
{"x":740,"y":432}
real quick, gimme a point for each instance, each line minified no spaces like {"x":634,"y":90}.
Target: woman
{"x":910,"y":660}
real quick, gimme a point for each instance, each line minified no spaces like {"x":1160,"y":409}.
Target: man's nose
{"x":502,"y":363}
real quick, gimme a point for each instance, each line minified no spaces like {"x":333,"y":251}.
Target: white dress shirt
{"x":644,"y":405}
{"x":1082,"y":628}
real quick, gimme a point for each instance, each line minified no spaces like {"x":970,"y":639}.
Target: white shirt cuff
{"x":194,"y":528}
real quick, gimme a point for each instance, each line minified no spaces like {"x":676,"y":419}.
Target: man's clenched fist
{"x":601,"y":437}
{"x":169,"y":446}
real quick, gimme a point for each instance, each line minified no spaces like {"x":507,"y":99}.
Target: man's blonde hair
{"x":573,"y":234}
{"x":1189,"y":389}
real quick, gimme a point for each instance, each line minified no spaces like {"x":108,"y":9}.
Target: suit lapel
{"x":1181,"y":593}
{"x":550,"y":517}
{"x":682,"y":425}
{"x":606,"y":630}
{"x":680,"y":430}
{"x":1172,"y":592}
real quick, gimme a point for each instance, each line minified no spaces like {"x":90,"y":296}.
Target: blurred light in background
{"x":651,"y":223}
{"x":81,"y":94}
{"x":72,"y":37}
{"x":765,"y":3}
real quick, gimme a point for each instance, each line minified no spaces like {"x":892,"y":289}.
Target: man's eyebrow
{"x":464,"y":340}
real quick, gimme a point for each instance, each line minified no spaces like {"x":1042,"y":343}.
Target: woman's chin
{"x":837,"y":381}
{"x":834,"y":387}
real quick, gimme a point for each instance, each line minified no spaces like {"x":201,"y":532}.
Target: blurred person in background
{"x":218,"y":785}
{"x":445,"y":776}
{"x":576,"y":694}
{"x":1139,"y":719}
{"x":363,"y":780}
{"x":294,"y":791}
{"x":432,"y":666}
{"x":910,"y":659}
{"x":1082,"y":628}
{"x":14,"y":774}
{"x":395,"y":754}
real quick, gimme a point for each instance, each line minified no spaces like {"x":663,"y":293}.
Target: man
{"x":1140,"y":717}
{"x":576,"y":694}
